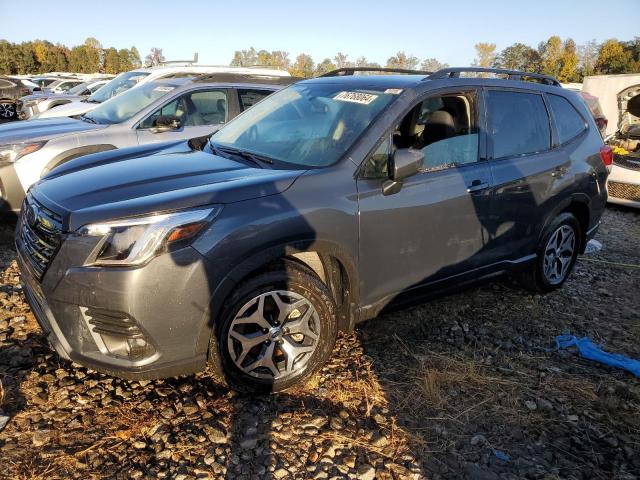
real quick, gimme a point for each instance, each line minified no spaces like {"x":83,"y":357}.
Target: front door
{"x":433,"y":227}
{"x":201,"y":112}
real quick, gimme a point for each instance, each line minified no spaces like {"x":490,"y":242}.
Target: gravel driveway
{"x":464,"y":386}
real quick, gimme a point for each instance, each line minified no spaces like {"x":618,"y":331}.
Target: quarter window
{"x":518,"y":123}
{"x":568,"y":121}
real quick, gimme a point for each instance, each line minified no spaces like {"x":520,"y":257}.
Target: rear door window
{"x":568,"y":121}
{"x":249,"y":97}
{"x":518,"y":123}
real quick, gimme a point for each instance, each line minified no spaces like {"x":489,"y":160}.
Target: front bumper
{"x":167,"y":301}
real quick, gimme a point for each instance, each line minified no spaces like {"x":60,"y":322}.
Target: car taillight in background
{"x":25,"y":91}
{"x":606,"y":154}
{"x":602,"y":123}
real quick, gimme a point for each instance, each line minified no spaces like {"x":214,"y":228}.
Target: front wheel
{"x":278,"y":329}
{"x":7,"y":110}
{"x":556,"y":256}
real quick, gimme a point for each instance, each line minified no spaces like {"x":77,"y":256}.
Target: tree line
{"x":40,"y":56}
{"x":563,"y":59}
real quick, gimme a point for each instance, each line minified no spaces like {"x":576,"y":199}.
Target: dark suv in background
{"x":330,"y":201}
{"x":11,"y":89}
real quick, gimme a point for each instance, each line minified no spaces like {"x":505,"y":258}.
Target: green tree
{"x":245,"y":58}
{"x":112,"y":61}
{"x":325,"y":66}
{"x":94,"y":55}
{"x":518,"y":57}
{"x":124,"y":60}
{"x":78,"y":59}
{"x":402,"y":60}
{"x":432,"y":65}
{"x":7,"y":58}
{"x":25,"y":59}
{"x":485,"y":54}
{"x":551,"y":56}
{"x":569,"y":62}
{"x":612,"y":58}
{"x":303,"y":66}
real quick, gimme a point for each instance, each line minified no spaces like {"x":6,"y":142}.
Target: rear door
{"x":201,"y":112}
{"x":525,"y":169}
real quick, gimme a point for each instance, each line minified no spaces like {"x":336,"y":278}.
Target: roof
{"x":377,"y":81}
{"x":226,"y":79}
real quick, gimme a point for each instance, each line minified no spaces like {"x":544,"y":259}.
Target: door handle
{"x":477,"y":186}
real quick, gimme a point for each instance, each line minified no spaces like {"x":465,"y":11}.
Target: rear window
{"x":568,"y":121}
{"x":518,"y":123}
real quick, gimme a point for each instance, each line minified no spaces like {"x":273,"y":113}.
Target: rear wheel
{"x":557,"y":255}
{"x":279,"y":328}
{"x":7,"y":110}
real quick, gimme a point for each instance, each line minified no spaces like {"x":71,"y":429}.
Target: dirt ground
{"x":467,"y":386}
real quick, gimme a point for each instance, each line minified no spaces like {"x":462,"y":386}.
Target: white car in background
{"x":127,"y":80}
{"x":32,"y":105}
{"x":623,"y":184}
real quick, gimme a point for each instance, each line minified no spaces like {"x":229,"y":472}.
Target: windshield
{"x":78,"y":89}
{"x":125,"y":106}
{"x":122,"y":82}
{"x":305,"y":124}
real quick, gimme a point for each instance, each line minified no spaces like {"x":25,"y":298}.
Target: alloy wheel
{"x":7,"y":110}
{"x":558,"y":254}
{"x":274,"y":335}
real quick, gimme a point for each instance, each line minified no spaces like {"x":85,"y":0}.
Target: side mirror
{"x":166,"y":123}
{"x":404,"y":163}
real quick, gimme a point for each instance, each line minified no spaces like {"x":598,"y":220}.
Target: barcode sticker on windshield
{"x":356,"y":97}
{"x":163,"y":89}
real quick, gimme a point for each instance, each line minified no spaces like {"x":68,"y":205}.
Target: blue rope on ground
{"x":588,"y":350}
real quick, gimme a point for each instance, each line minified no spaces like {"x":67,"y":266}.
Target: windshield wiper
{"x":252,"y":157}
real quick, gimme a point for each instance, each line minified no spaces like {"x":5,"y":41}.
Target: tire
{"x":248,"y":369}
{"x":546,"y":275}
{"x":7,"y":110}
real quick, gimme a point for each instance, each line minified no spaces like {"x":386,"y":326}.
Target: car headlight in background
{"x":135,"y":241}
{"x":11,"y":153}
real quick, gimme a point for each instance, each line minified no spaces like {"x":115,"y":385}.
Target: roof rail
{"x":340,"y":72}
{"x":232,"y":77}
{"x":511,"y":74}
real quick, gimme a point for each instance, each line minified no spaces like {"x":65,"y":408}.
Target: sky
{"x":445,"y":30}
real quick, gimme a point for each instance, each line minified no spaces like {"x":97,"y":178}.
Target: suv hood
{"x":72,"y":109}
{"x":37,"y":130}
{"x":143,"y":180}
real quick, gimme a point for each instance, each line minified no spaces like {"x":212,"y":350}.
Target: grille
{"x":625,"y":161}
{"x":625,"y":191}
{"x":113,"y":324}
{"x":39,"y":235}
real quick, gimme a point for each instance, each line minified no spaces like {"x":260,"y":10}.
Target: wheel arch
{"x":72,"y":153}
{"x":578,"y":205}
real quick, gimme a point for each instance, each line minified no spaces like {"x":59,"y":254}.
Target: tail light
{"x":606,"y":154}
{"x":602,"y":123}
{"x":25,"y":91}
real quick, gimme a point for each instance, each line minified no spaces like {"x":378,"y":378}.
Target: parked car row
{"x":173,"y":226}
{"x":11,"y":89}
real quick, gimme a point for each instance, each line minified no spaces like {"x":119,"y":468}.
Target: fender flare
{"x":562,"y":206}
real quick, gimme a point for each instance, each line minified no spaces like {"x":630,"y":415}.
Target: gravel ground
{"x":464,"y":386}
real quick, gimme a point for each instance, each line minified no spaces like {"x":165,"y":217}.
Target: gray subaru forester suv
{"x":325,"y":204}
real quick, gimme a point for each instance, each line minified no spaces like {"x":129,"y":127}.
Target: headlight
{"x":135,"y":241}
{"x":11,"y":153}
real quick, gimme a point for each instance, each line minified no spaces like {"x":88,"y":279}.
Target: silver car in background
{"x":159,"y":111}
{"x":32,"y":105}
